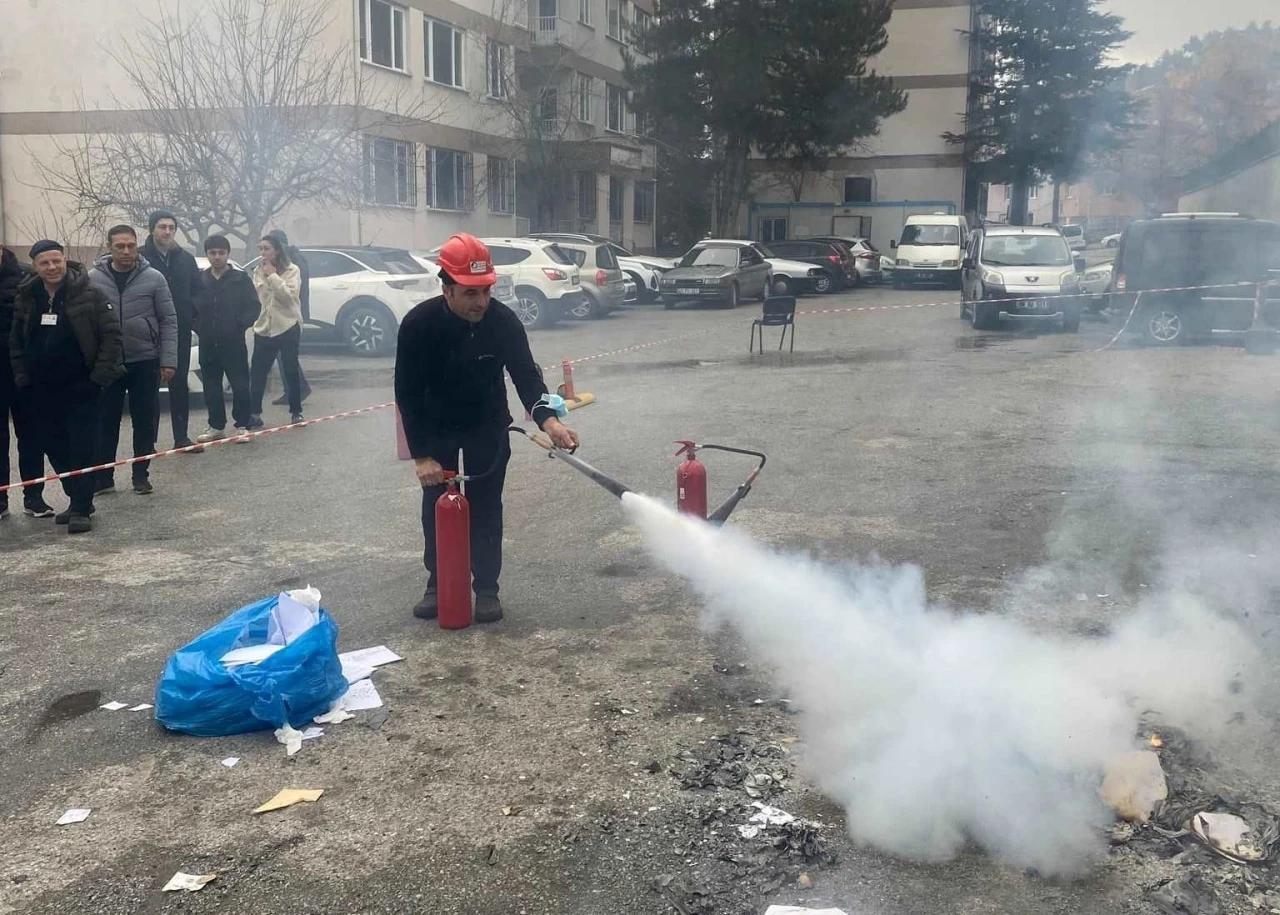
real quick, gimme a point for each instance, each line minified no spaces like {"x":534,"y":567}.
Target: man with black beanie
{"x":180,"y":270}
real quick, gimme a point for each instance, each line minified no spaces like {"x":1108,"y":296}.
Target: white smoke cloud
{"x":933,"y":727}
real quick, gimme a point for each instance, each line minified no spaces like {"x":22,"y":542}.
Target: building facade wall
{"x":1254,"y":190}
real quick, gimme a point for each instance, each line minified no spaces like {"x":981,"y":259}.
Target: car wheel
{"x":669,"y":304}
{"x":984,"y":317}
{"x":854,"y":281}
{"x":532,"y":309}
{"x":781,"y":286}
{"x":1071,"y":320}
{"x":368,"y":328}
{"x":586,"y":308}
{"x":734,"y":295}
{"x":1162,"y":327}
{"x":1113,"y":244}
{"x":824,"y":284}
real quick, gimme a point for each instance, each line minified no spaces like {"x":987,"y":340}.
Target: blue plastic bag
{"x":199,"y":695}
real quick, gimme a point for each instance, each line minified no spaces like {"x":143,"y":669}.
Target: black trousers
{"x":179,"y":391}
{"x":229,"y":358}
{"x":265,"y":351}
{"x":485,"y":499}
{"x":141,"y":382}
{"x":17,"y":404}
{"x":67,"y":428}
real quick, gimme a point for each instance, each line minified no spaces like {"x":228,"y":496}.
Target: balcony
{"x":552,"y":30}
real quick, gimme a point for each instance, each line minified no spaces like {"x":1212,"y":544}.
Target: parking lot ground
{"x":893,"y":430}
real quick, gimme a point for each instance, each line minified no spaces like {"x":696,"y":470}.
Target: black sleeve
{"x":248,"y":307}
{"x":524,"y":372}
{"x":412,"y":359}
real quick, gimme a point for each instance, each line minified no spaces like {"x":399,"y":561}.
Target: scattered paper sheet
{"x":312,"y":733}
{"x":354,"y":670}
{"x":294,"y":614}
{"x":335,"y":715}
{"x":141,"y":707}
{"x":770,"y":816}
{"x":114,"y":706}
{"x":189,"y":882}
{"x":290,"y":796}
{"x":230,"y":761}
{"x":291,"y":738}
{"x":797,"y":910}
{"x":250,"y":654}
{"x":374,"y":657}
{"x":74,"y":815}
{"x":362,"y":696}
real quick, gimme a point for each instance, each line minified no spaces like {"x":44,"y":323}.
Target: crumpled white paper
{"x":291,"y":738}
{"x":189,"y":882}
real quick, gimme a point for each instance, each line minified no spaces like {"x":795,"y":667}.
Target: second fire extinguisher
{"x":453,"y":555}
{"x":691,"y":483}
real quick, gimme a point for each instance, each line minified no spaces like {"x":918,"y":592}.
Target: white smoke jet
{"x":932,"y":727}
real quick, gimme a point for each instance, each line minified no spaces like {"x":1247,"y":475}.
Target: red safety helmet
{"x":465,"y":258}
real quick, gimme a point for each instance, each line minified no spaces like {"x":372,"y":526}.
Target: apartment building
{"x":908,"y":168}
{"x":489,"y":116}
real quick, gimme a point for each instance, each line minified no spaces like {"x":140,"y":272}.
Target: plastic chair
{"x":779,"y":311}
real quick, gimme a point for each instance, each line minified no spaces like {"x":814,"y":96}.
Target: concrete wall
{"x":1255,"y":190}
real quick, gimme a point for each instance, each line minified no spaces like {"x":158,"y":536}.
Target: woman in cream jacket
{"x":278,"y":330}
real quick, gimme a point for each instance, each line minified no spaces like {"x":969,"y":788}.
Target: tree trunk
{"x":1018,"y":193}
{"x":1057,"y":201}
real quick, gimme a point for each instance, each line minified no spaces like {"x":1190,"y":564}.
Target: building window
{"x":449,"y":180}
{"x":497,"y":66}
{"x":390,"y":172}
{"x":549,"y":109}
{"x":617,"y":105}
{"x":546,"y":12}
{"x":583,"y":88}
{"x":641,"y":25}
{"x":382,"y":33}
{"x":644,"y":201}
{"x":502,"y":185}
{"x":616,"y":188}
{"x":586,"y":195}
{"x":774,"y":228}
{"x":1034,"y":192}
{"x":857,"y":190}
{"x":1068,"y":192}
{"x":617,"y":17}
{"x":584,"y":12}
{"x":1107,"y":189}
{"x":443,"y":52}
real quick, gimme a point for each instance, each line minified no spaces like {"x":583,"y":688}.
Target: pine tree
{"x":1046,"y":98}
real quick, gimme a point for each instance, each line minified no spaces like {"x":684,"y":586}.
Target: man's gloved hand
{"x":429,"y":472}
{"x":561,"y":435}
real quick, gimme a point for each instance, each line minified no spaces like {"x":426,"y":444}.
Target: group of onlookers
{"x":77,"y":341}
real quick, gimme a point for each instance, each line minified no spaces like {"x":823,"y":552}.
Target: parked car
{"x":930,"y":250}
{"x":1220,"y":256}
{"x":604,"y":285}
{"x":1074,"y":236}
{"x":720,"y":271}
{"x":548,"y":284}
{"x":1030,"y":270}
{"x":1111,"y":241}
{"x":643,"y":269}
{"x":363,"y":293}
{"x":789,"y":276}
{"x":1096,"y":282}
{"x":833,"y":258}
{"x":866,"y":257}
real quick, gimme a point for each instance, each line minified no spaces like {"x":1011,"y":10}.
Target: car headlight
{"x":991,"y":278}
{"x":902,"y":263}
{"x":1070,"y":278}
{"x":814,"y":271}
{"x":951,"y":263}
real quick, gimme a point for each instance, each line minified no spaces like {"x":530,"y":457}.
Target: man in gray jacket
{"x":144,"y":304}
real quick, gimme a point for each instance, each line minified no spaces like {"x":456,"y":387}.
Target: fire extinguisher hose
{"x":721,"y":514}
{"x":576,"y":463}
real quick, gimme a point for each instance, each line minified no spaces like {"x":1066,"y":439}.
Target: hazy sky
{"x":1162,"y":25}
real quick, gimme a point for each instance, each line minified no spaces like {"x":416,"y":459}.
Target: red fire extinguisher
{"x":691,"y":483}
{"x":453,"y":555}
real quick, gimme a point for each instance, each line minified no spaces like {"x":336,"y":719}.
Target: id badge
{"x":48,"y":320}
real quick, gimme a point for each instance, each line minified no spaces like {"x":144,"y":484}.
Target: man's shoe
{"x":64,"y":518}
{"x":211,"y":435}
{"x":296,"y":418}
{"x":143,"y":487}
{"x":4,"y":510}
{"x":79,"y":524}
{"x":105,"y":488}
{"x":429,"y":606}
{"x":188,"y":443}
{"x":37,"y":508}
{"x":255,"y":422}
{"x":488,"y":608}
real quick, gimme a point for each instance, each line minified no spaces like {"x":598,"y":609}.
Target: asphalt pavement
{"x":893,"y":429}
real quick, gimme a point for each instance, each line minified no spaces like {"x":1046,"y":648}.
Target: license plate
{"x":574,"y":281}
{"x":924,"y":277}
{"x":688,"y":290}
{"x":1036,"y":305}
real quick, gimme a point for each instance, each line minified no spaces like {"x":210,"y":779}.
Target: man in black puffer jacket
{"x":180,"y":270}
{"x":30,"y":457}
{"x":226,"y":308}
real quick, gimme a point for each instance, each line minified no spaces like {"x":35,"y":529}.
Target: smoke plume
{"x":934,"y":727}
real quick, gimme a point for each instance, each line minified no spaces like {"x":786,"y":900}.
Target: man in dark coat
{"x":30,"y":457}
{"x":66,"y":347}
{"x":226,"y":307}
{"x":180,"y":270}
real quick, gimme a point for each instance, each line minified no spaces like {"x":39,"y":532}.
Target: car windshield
{"x":930,"y":235}
{"x":1026,"y":251}
{"x":711,"y":257}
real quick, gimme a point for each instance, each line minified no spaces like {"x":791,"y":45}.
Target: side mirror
{"x":1080,"y":265}
{"x":893,"y":243}
{"x":968,"y":263}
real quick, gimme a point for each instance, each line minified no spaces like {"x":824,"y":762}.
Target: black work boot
{"x":429,"y":606}
{"x":488,"y":608}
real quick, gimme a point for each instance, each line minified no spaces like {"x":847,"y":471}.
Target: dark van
{"x":1223,"y":256}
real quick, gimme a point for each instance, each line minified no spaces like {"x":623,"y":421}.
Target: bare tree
{"x":237,"y":111}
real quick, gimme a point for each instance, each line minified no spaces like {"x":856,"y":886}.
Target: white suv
{"x":364,"y":293}
{"x":548,"y":284}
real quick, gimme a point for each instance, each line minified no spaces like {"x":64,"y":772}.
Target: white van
{"x":930,"y":250}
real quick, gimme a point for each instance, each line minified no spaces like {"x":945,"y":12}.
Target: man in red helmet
{"x":452,"y":397}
